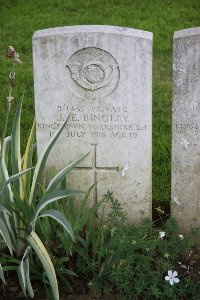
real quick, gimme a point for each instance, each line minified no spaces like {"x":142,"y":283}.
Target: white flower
{"x":166,"y":255}
{"x":162,"y":234}
{"x":172,"y":277}
{"x":181,"y":237}
{"x":9,"y":99}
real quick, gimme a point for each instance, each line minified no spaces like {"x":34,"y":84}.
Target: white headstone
{"x":186,"y":129}
{"x":102,"y":76}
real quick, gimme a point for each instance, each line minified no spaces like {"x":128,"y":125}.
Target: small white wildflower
{"x":90,"y":283}
{"x":9,"y":98}
{"x":162,"y":234}
{"x":159,"y":210}
{"x":172,"y":277}
{"x":166,"y":255}
{"x":181,"y":237}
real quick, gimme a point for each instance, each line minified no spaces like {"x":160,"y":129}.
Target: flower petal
{"x":176,"y":280}
{"x":175,"y":274}
{"x":162,"y":234}
{"x":171,"y":281}
{"x":170,"y":273}
{"x":167,"y":278}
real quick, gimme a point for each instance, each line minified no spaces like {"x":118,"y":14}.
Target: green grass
{"x":20,"y":18}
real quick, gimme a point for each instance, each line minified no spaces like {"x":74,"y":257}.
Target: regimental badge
{"x":94,"y":70}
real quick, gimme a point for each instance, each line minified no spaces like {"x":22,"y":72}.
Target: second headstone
{"x":186,"y":129}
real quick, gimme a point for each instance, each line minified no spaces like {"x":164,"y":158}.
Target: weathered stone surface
{"x":102,"y":76}
{"x":186,"y":129}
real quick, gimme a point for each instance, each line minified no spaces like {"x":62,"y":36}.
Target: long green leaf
{"x":10,"y":268}
{"x":34,"y":148}
{"x":4,"y":210}
{"x":23,"y":273}
{"x":4,"y":177}
{"x":7,"y":199}
{"x":85,"y":199}
{"x":27,"y":277}
{"x":21,"y":276}
{"x":87,"y":215}
{"x":6,"y":236}
{"x":11,"y":224}
{"x":27,"y":163}
{"x":7,"y":214}
{"x":14,"y":178}
{"x":41,"y":163}
{"x":60,"y":218}
{"x":43,"y":255}
{"x":5,"y":149}
{"x":51,"y":198}
{"x":15,"y":143}
{"x":63,"y":173}
{"x":6,"y":258}
{"x":2,"y":275}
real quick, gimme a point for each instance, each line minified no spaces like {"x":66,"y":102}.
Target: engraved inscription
{"x":94,"y":73}
{"x":196,"y":107}
{"x":95,"y":122}
{"x":186,"y":126}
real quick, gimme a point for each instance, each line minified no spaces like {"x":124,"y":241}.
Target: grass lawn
{"x":20,"y":18}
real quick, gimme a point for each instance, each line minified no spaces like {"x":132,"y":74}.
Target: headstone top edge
{"x":91,"y":29}
{"x":186,"y":32}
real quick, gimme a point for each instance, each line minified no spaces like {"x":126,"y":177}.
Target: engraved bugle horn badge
{"x":94,"y":70}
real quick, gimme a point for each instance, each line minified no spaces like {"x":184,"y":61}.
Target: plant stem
{"x":8,"y":106}
{"x":5,"y":127}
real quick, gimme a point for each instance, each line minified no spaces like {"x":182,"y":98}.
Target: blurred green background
{"x":19,"y":19}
